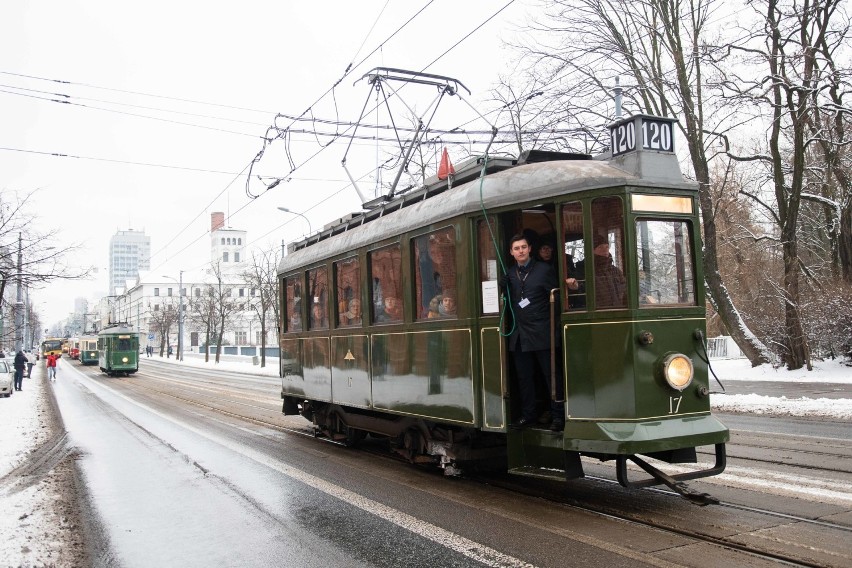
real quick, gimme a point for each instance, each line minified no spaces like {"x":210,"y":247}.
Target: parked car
{"x":7,"y":379}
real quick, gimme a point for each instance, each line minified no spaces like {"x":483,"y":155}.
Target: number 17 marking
{"x":674,"y":404}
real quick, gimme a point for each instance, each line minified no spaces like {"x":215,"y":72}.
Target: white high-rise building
{"x":129,"y":254}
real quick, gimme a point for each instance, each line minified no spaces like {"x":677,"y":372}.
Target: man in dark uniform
{"x":530,"y":283}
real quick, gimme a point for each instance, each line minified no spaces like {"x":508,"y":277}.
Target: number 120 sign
{"x":656,"y":135}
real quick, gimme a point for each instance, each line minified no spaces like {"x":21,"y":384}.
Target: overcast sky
{"x":171,"y":101}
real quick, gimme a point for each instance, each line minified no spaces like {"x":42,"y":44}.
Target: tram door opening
{"x":539,"y":227}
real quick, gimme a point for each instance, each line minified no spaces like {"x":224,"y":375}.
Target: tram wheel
{"x":353,"y":436}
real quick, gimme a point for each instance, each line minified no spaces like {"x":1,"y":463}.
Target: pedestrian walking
{"x":20,"y":364}
{"x":31,"y":361}
{"x":51,"y":367}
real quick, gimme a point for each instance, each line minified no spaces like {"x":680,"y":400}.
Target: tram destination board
{"x":656,"y":134}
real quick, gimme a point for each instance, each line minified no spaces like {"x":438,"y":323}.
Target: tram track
{"x":697,"y":535}
{"x":188,"y":392}
{"x":756,"y":510}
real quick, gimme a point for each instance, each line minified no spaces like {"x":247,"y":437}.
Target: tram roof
{"x":509,"y":185}
{"x":116,"y":329}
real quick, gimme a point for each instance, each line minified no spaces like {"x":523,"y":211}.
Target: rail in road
{"x":752,"y":520}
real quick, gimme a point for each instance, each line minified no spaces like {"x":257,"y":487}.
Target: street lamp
{"x":180,"y":315}
{"x":285,"y":210}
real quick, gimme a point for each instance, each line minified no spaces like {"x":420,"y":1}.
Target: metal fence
{"x":248,"y":350}
{"x":723,"y":347}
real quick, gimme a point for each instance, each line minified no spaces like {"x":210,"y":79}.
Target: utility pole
{"x":180,"y":317}
{"x":19,"y":302}
{"x":28,"y":342}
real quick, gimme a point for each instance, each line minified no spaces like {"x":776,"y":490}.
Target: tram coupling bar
{"x":674,"y":482}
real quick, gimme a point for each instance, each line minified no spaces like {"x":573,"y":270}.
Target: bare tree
{"x":786,"y":65}
{"x":227,"y":308}
{"x":203,"y":313}
{"x":262,"y":279}
{"x":162,"y":320}
{"x":657,"y":46}
{"x":29,"y":257}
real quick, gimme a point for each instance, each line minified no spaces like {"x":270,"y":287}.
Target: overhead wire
{"x":72,"y":103}
{"x":349,"y":68}
{"x":158,"y":96}
{"x":130,"y":105}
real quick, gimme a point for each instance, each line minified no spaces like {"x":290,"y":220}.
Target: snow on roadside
{"x":39,"y":513}
{"x":824,"y":372}
{"x":836,"y":409}
{"x":741,"y":370}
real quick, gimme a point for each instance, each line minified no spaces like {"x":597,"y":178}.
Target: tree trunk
{"x":844,"y":243}
{"x":798,"y":351}
{"x":748,"y":343}
{"x":221,"y":334}
{"x":692,"y":101}
{"x":263,"y":341}
{"x":207,"y":344}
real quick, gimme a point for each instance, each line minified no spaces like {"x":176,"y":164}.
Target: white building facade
{"x":140,"y":301}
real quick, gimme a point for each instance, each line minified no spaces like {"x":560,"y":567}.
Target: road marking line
{"x":469,"y":548}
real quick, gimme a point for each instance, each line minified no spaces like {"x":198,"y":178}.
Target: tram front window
{"x":665,"y":269}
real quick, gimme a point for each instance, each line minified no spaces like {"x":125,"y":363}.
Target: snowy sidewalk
{"x":38,"y":519}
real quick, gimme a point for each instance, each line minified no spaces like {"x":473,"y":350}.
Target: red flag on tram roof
{"x":446,"y":168}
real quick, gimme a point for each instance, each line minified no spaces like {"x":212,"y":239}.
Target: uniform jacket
{"x":532,"y":323}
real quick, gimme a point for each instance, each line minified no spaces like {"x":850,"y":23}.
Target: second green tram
{"x":118,"y":350}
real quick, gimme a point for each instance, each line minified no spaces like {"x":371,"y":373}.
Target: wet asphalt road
{"x":173,"y":484}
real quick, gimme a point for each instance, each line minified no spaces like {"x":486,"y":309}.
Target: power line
{"x":158,"y":109}
{"x":68,"y":102}
{"x":64,"y":82}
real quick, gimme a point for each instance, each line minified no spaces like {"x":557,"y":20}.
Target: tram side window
{"x":386,"y":284}
{"x":488,"y":267}
{"x":293,"y":303}
{"x":318,"y":295}
{"x":435,"y":274}
{"x":608,"y":253}
{"x":575,"y":254}
{"x":665,"y":270}
{"x":347,"y":274}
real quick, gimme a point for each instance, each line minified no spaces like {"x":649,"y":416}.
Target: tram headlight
{"x":124,"y":359}
{"x":91,"y":354}
{"x":678,"y":371}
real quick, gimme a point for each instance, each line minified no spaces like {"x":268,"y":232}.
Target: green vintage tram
{"x":393,"y":322}
{"x":118,"y":350}
{"x":89,"y":349}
